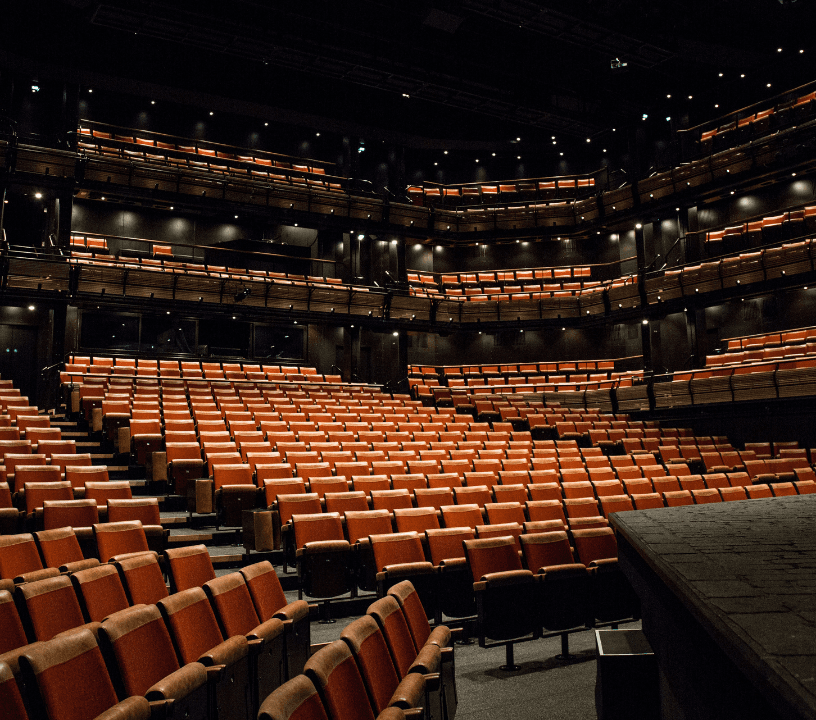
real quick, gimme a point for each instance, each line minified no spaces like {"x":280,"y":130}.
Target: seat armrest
{"x":267,"y":631}
{"x":179,"y":684}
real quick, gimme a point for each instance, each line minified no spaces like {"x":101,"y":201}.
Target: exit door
{"x":18,"y":358}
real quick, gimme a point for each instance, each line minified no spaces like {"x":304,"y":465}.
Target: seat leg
{"x":509,"y":665}
{"x":327,"y":619}
{"x":565,"y":651}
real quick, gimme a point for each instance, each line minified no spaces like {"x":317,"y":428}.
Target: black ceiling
{"x":478,"y":70}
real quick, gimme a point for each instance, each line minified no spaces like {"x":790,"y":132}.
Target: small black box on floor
{"x":627,"y":684}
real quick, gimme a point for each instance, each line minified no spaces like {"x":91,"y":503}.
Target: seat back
{"x":142,"y":579}
{"x":296,"y":699}
{"x":264,"y":589}
{"x":367,"y":644}
{"x":119,"y":538}
{"x":416,"y":519}
{"x":12,"y":633}
{"x":10,"y":699}
{"x":361,"y":524}
{"x":104,"y":491}
{"x":191,"y":621}
{"x":18,"y":555}
{"x":491,"y":555}
{"x":397,"y":549}
{"x":447,"y":543}
{"x":145,"y":510}
{"x":337,"y":678}
{"x":391,"y":620}
{"x":69,"y":513}
{"x":71,"y":677}
{"x":36,"y":493}
{"x":302,"y":503}
{"x":100,"y":592}
{"x":232,"y":603}
{"x":595,"y":544}
{"x":189,"y":567}
{"x":415,"y":615}
{"x":317,"y":527}
{"x":48,"y":607}
{"x":547,"y":549}
{"x":141,"y":647}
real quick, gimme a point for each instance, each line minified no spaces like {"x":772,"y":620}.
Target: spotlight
{"x":242,"y":295}
{"x":31,"y":307}
{"x":38,"y":196}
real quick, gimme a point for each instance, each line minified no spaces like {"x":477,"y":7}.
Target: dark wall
{"x":512,"y":346}
{"x":598,"y":250}
{"x":768,"y":313}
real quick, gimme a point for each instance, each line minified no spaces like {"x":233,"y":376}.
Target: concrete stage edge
{"x":728,"y":594}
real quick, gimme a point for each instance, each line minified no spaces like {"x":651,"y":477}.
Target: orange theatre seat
{"x":270,"y":602}
{"x":505,"y":594}
{"x":69,"y":674}
{"x":324,"y":558}
{"x":233,"y":607}
{"x":197,"y":638}
{"x":145,"y":663}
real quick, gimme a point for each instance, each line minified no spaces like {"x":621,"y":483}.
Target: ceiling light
{"x":645,"y":322}
{"x":395,"y":333}
{"x":716,"y":106}
{"x":31,"y":307}
{"x":669,"y":97}
{"x":152,"y":102}
{"x":778,"y":49}
{"x":668,"y":119}
{"x":742,"y":75}
{"x":266,"y":124}
{"x":172,"y":208}
{"x":801,"y":51}
{"x":445,"y":152}
{"x":518,"y":157}
{"x":435,"y":164}
{"x":477,"y":159}
{"x":638,"y":226}
{"x":211,"y":112}
{"x":768,"y":85}
{"x":589,"y":140}
{"x":561,"y":154}
{"x":554,"y":142}
{"x":690,"y":97}
{"x":405,"y":95}
{"x":494,"y":154}
{"x":553,"y":137}
{"x":35,"y":87}
{"x":604,"y":149}
{"x":645,"y":116}
{"x":721,"y":74}
{"x":793,"y":174}
{"x":518,"y":139}
{"x":236,"y":217}
{"x":361,"y":237}
{"x":38,"y":195}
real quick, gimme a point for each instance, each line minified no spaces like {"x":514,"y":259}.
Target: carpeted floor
{"x":543,"y":688}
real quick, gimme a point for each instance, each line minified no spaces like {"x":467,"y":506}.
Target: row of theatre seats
{"x":731,"y":272}
{"x":767,"y":346}
{"x":465,"y":288}
{"x":755,"y":124}
{"x":78,"y":369}
{"x":483,"y":193}
{"x":276,"y":168}
{"x":466,"y":380}
{"x":769,"y":229}
{"x":505,"y":282}
{"x":93,"y":636}
{"x":94,"y":251}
